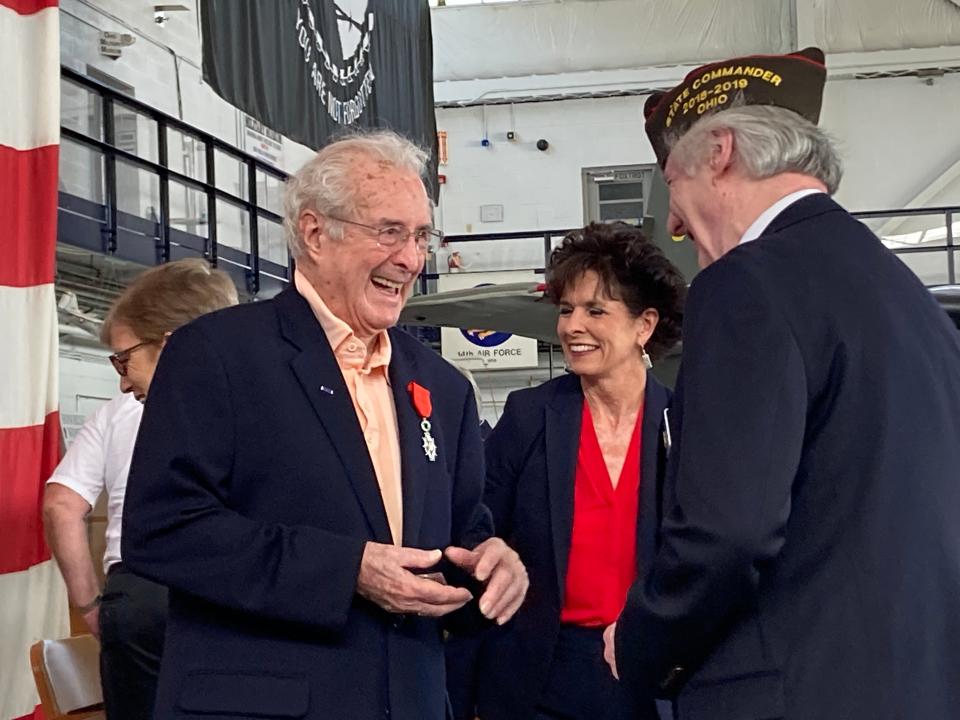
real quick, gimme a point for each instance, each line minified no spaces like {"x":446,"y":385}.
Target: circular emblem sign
{"x":486,"y":338}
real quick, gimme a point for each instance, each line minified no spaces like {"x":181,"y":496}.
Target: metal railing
{"x":104,"y":227}
{"x":948,"y":247}
{"x":545,"y":236}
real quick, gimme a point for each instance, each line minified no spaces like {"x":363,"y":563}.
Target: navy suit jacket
{"x":251,"y":495}
{"x":531,"y":462}
{"x":809,"y":559}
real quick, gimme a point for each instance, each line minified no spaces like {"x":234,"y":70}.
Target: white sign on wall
{"x":262,"y":142}
{"x":483,"y":348}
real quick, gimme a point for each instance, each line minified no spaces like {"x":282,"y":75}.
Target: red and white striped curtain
{"x":32,"y":598}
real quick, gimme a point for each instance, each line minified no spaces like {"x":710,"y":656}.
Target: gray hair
{"x":167,"y":296}
{"x":768,"y":140}
{"x":326,"y":183}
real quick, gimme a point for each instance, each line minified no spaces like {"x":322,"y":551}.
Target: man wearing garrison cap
{"x":809,"y":559}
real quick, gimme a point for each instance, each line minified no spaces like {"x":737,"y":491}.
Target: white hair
{"x":768,"y":141}
{"x":326,"y":183}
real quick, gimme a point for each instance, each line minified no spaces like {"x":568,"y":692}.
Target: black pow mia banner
{"x":310,"y":69}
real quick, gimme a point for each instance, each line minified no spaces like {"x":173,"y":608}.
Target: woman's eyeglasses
{"x":121,"y":359}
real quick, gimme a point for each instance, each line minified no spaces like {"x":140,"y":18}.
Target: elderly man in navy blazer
{"x":809,"y":557}
{"x":308,"y":481}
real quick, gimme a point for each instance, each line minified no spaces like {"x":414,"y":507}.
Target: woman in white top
{"x":129,"y":617}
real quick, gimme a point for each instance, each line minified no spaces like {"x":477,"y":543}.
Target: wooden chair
{"x":67,"y":674}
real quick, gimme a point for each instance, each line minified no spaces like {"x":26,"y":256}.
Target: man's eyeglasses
{"x":391,"y":236}
{"x":119,"y":360}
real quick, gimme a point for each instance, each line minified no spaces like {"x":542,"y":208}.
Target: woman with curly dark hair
{"x":573,"y":480}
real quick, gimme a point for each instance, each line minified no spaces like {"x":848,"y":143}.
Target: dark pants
{"x":133,"y":618}
{"x":580,"y":685}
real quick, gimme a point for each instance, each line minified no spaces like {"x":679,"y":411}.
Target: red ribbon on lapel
{"x":421,"y":399}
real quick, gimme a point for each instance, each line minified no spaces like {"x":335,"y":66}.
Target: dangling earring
{"x":645,"y":358}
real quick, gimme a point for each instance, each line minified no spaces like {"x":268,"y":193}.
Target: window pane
{"x":273,"y":245}
{"x":233,"y":227}
{"x":186,"y":154}
{"x":620,"y":191}
{"x":231,"y":174}
{"x":81,"y":171}
{"x":138,"y":191}
{"x":188,"y":209}
{"x":631,"y":211}
{"x":81,"y":110}
{"x":135,"y":132}
{"x":269,"y":192}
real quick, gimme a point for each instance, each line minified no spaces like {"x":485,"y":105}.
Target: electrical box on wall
{"x":491,"y":213}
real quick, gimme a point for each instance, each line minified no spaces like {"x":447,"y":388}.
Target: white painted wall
{"x":539,"y":190}
{"x":87,"y":379}
{"x":896,"y":135}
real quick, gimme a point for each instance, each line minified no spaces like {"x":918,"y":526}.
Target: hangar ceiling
{"x":515,"y":49}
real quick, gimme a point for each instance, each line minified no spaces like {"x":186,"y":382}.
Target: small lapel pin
{"x":325,"y":389}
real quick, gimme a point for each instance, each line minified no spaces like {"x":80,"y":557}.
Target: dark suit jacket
{"x":531,"y":462}
{"x":252,"y":494}
{"x":809,"y":562}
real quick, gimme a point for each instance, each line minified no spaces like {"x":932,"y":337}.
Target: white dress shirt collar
{"x":767,"y":216}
